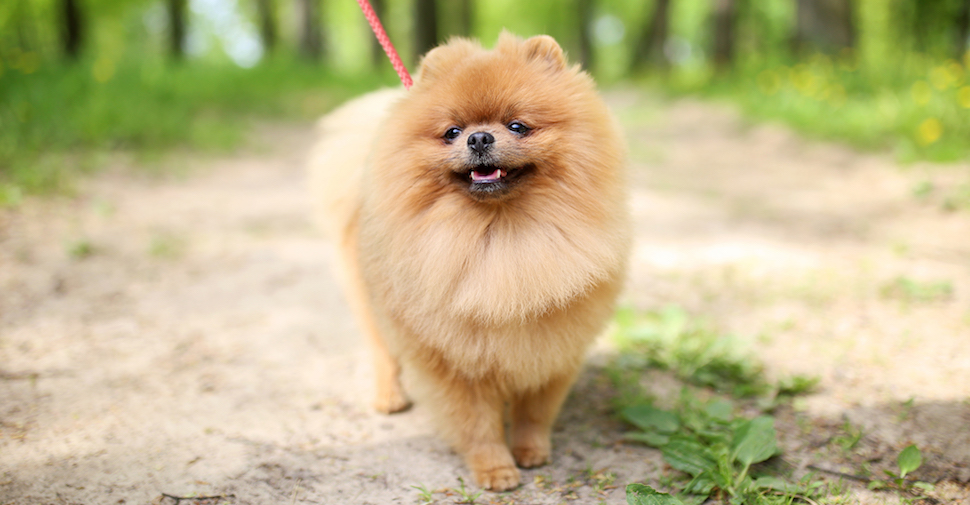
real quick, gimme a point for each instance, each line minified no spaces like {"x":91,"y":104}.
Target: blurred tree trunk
{"x":455,"y":17}
{"x":425,"y":26}
{"x":176,"y":26}
{"x":725,"y":20}
{"x":650,"y":47}
{"x":311,"y":37}
{"x":824,"y":25}
{"x":266,"y":10}
{"x":963,"y":30}
{"x":586,"y":8}
{"x":378,"y":58}
{"x":72,"y":28}
{"x":466,"y":18}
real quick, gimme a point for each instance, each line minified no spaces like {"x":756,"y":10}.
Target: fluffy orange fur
{"x":492,"y":298}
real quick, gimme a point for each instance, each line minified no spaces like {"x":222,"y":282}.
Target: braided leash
{"x":385,"y":42}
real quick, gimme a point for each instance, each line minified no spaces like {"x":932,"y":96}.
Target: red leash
{"x":381,"y":35}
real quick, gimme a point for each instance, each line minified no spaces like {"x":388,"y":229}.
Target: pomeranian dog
{"x":483,"y":233}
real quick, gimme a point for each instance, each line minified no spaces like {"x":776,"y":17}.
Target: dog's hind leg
{"x":389,"y":395}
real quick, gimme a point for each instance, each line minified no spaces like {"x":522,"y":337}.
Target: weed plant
{"x":718,"y":450}
{"x":721,"y":453}
{"x":722,"y":440}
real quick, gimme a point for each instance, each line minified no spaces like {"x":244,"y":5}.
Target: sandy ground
{"x":183,"y":335}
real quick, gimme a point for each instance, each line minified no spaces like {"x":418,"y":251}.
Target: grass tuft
{"x":670,"y":339}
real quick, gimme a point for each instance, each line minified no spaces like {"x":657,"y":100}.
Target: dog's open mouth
{"x":481,"y":175}
{"x":488,"y":181}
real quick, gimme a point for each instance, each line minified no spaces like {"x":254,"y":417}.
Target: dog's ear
{"x":445,"y":56}
{"x":545,"y":48}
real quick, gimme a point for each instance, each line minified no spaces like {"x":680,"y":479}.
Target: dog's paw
{"x":498,"y":479}
{"x":493,"y":466}
{"x":391,"y":401}
{"x":530,"y":445}
{"x":530,"y":456}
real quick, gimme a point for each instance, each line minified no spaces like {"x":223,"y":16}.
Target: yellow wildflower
{"x":963,"y":97}
{"x":940,"y":78}
{"x":930,"y":130}
{"x":921,"y":92}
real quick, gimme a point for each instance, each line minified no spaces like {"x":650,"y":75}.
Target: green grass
{"x":670,"y":339}
{"x":914,"y":291}
{"x":425,"y":495}
{"x":466,"y":496}
{"x":80,"y":249}
{"x":916,"y":106}
{"x":56,"y":119}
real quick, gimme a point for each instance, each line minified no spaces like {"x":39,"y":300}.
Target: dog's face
{"x":490,"y":159}
{"x":493,"y":124}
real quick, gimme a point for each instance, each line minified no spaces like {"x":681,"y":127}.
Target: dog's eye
{"x":452,"y":133}
{"x":517,"y":127}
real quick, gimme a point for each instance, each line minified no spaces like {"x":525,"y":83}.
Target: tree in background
{"x":378,"y":58}
{"x":425,"y":26}
{"x":939,"y":28}
{"x":721,"y":33}
{"x":311,"y":36}
{"x":177,"y":27}
{"x":823,"y":25}
{"x":725,"y":21}
{"x":466,"y":18}
{"x":960,"y":45}
{"x":72,"y":28}
{"x":650,"y":46}
{"x":584,"y":30}
{"x":265,"y":10}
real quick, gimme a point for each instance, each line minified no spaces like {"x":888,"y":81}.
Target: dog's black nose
{"x":480,"y":141}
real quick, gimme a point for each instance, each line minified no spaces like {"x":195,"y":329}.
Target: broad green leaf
{"x":649,"y":418}
{"x":777,"y":484}
{"x":639,"y":494}
{"x":652,"y":439}
{"x":754,"y":441}
{"x":925,"y":486}
{"x":720,"y":410}
{"x":702,"y":485}
{"x":876,"y":484}
{"x":688,"y":456}
{"x":910,"y":459}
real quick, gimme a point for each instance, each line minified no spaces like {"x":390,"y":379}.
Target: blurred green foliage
{"x":901,"y":84}
{"x":921,"y":110}
{"x":54,"y":119}
{"x":904,"y":85}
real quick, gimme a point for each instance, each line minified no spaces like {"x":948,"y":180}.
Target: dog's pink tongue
{"x":494,"y":176}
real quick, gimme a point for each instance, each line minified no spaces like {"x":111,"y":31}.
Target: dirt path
{"x":184,"y":335}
